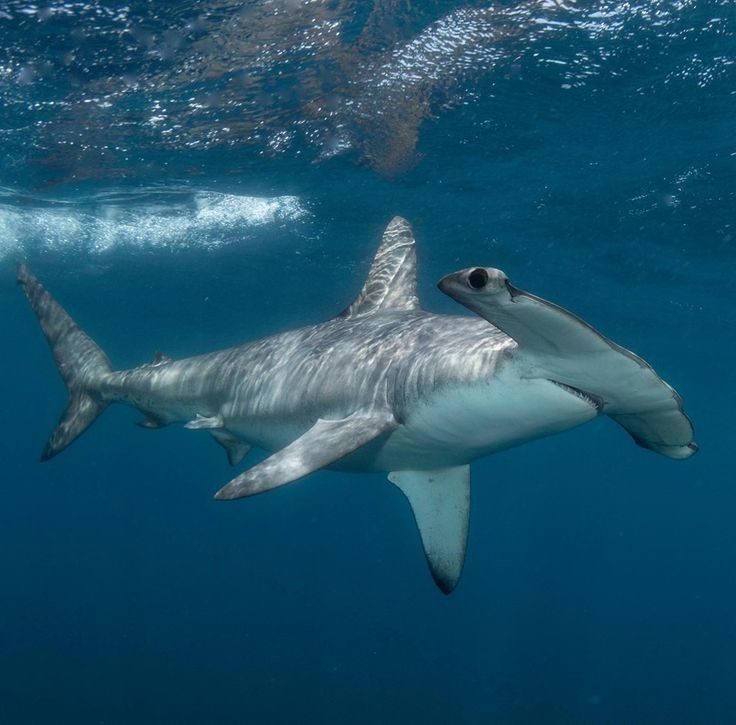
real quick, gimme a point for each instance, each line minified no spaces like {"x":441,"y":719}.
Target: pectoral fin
{"x":324,"y":443}
{"x":440,"y":500}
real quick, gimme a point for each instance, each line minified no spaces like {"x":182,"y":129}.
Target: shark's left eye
{"x":478,"y":278}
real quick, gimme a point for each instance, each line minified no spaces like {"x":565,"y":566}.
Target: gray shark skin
{"x":384,"y":386}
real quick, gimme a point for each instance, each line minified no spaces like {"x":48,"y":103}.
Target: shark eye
{"x":478,"y":278}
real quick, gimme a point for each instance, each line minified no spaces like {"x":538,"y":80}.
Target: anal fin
{"x":324,"y":443}
{"x":152,"y":422}
{"x":440,"y":500}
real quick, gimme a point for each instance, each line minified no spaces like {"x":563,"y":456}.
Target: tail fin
{"x":80,"y":362}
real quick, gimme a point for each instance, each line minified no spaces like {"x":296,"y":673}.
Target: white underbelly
{"x":457,"y":426}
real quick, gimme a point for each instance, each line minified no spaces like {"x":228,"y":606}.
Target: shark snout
{"x":483,"y":280}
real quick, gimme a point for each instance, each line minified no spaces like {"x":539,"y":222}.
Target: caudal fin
{"x":80,"y":361}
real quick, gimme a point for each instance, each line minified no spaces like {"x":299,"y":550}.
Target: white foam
{"x":203,"y":219}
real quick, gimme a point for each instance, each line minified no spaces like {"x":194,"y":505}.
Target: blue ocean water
{"x":184,"y":177}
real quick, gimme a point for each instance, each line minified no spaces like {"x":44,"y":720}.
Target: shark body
{"x":384,"y":386}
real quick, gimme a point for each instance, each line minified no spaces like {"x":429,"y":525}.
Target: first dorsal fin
{"x":392,"y":280}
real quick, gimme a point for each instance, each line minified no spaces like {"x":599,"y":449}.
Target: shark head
{"x":560,"y":347}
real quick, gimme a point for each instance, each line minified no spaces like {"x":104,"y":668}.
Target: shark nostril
{"x":478,"y":278}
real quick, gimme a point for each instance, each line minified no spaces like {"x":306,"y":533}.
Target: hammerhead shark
{"x":384,"y":386}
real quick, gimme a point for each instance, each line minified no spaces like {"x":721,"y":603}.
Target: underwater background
{"x":187,"y":176}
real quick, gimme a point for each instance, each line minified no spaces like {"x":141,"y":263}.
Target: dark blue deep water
{"x":186,"y":176}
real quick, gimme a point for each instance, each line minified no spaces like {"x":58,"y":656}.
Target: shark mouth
{"x":593,"y":400}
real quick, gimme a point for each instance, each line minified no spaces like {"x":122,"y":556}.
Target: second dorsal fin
{"x":160,"y":359}
{"x":392,"y":280}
